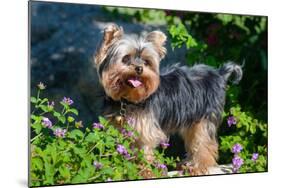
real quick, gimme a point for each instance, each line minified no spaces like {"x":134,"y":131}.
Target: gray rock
{"x":220,"y":169}
{"x":63,"y":40}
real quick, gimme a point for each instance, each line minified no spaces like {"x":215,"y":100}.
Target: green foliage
{"x":89,"y":155}
{"x":181,"y":36}
{"x":251,"y":134}
{"x":138,"y":15}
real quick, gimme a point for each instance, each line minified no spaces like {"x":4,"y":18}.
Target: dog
{"x":178,"y":99}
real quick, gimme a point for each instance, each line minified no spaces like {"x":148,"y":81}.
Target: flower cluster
{"x":97,"y":165}
{"x":130,"y":120}
{"x":67,"y":100}
{"x":127,"y":133}
{"x":237,"y":148}
{"x":47,"y":123}
{"x":162,"y":167}
{"x":60,"y":132}
{"x":98,"y":126}
{"x":41,"y":86}
{"x":237,"y":161}
{"x":231,"y":121}
{"x":164,"y":144}
{"x":255,"y":156}
{"x":51,"y":104}
{"x":123,"y":151}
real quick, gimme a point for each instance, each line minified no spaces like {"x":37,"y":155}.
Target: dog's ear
{"x":111,"y":34}
{"x":158,"y":39}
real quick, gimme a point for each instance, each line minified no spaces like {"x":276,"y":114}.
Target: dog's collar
{"x":125,"y":101}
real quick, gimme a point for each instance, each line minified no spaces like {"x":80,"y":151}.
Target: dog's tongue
{"x":135,"y":82}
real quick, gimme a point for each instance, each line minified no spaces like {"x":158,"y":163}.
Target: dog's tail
{"x":231,"y":70}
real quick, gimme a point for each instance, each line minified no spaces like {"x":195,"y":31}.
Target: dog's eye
{"x":147,"y":62}
{"x":126,"y":59}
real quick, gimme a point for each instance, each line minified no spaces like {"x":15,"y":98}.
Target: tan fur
{"x":113,"y":82}
{"x":158,"y":39}
{"x":150,"y":133}
{"x":201,"y":149}
{"x":200,"y":145}
{"x":111,"y":34}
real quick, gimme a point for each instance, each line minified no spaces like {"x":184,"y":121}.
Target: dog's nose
{"x":139,"y":69}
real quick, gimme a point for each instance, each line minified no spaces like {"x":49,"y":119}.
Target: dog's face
{"x":128,"y":67}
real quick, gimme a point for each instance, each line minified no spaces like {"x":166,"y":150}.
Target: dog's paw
{"x":192,"y":169}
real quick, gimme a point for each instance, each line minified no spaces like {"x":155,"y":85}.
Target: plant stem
{"x":92,"y":148}
{"x":38,"y":95}
{"x":63,"y":112}
{"x":36,"y":137}
{"x":93,"y":178}
{"x":107,"y":155}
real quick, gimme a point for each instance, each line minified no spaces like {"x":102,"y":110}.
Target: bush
{"x":250,"y":135}
{"x":63,"y":153}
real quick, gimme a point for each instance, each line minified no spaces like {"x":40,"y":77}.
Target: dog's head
{"x":128,"y":67}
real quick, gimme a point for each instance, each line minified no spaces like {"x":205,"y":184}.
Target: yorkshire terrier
{"x":178,"y":99}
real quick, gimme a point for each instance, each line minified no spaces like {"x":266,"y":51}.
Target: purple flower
{"x":109,"y":179}
{"x":47,"y":123}
{"x":98,"y":126}
{"x":60,"y":132}
{"x":255,"y":156}
{"x":127,"y":155}
{"x":68,"y":101}
{"x":164,"y":144}
{"x":97,"y":165}
{"x":130,"y":134}
{"x":236,"y":148}
{"x":130,"y":120}
{"x":127,"y":133}
{"x":237,"y":162}
{"x":231,"y":121}
{"x":41,"y":86}
{"x":162,"y":166}
{"x":124,"y":132}
{"x":51,"y":105}
{"x":121,"y":149}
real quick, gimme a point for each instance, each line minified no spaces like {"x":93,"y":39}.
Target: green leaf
{"x":76,"y":134}
{"x":37,"y":127}
{"x":64,"y":171}
{"x":43,"y":101}
{"x":36,"y":163}
{"x":61,"y":119}
{"x":110,"y":142}
{"x":79,"y":179}
{"x":56,"y":114}
{"x":103,"y":121}
{"x":66,"y":106}
{"x":33,"y":100}
{"x":70,"y":119}
{"x":35,"y":118}
{"x":73,"y":110}
{"x":44,"y":108}
{"x":107,"y":171}
{"x":92,"y":138}
{"x":49,"y":173}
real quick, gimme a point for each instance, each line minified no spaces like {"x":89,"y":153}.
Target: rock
{"x":220,"y":169}
{"x":63,"y":39}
